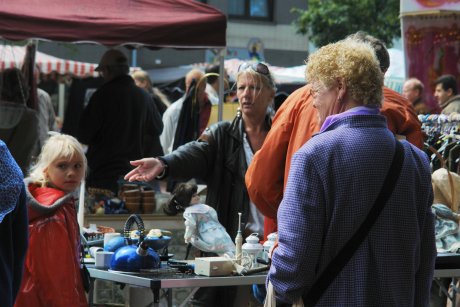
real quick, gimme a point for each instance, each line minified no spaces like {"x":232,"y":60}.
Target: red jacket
{"x":52,"y":267}
{"x":294,"y":124}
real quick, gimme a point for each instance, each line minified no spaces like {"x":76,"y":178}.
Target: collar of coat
{"x":237,"y":125}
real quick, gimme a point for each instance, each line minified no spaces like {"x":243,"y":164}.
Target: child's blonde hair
{"x":58,"y":146}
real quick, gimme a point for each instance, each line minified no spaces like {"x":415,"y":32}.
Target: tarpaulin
{"x":159,"y":23}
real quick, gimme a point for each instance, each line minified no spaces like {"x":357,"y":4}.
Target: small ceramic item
{"x":253,"y":248}
{"x":271,"y":239}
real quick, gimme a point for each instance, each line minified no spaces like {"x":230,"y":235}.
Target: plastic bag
{"x":270,"y":299}
{"x":446,"y":229}
{"x":203,"y":230}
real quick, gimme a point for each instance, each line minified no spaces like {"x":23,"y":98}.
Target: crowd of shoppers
{"x":312,"y":175}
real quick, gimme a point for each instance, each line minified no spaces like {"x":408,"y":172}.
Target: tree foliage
{"x":327,"y":21}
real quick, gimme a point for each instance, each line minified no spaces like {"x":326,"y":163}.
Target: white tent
{"x":394,"y":77}
{"x":13,"y":56}
{"x":295,"y":74}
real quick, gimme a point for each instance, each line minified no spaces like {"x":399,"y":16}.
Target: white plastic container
{"x":103,"y":259}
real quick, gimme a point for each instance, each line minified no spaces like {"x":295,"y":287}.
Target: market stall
{"x":168,"y":280}
{"x":431,"y":40}
{"x":151,"y":23}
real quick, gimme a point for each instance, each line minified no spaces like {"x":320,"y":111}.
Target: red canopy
{"x":160,"y":23}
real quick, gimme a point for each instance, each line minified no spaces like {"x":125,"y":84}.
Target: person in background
{"x":212,"y":86}
{"x":295,"y":123}
{"x":13,"y":227}
{"x":220,"y":158}
{"x":172,"y":114}
{"x":446,"y":93}
{"x":333,"y":181}
{"x":49,"y":83}
{"x":142,"y":79}
{"x":116,"y":123}
{"x":153,"y":146}
{"x":46,"y":117}
{"x":52,"y":269}
{"x":19,"y":125}
{"x":413,"y":91}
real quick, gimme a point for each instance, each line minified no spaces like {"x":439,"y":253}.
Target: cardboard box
{"x":213,"y":266}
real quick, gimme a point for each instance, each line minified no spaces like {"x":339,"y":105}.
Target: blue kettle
{"x":131,"y":257}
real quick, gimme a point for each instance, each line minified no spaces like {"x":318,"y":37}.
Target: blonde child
{"x":52,"y":269}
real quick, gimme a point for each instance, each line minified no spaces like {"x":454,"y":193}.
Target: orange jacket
{"x":295,"y":122}
{"x":52,"y":275}
{"x":401,"y":117}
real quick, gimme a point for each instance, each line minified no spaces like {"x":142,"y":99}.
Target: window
{"x":251,"y":9}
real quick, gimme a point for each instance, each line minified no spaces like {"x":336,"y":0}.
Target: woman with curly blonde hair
{"x":334,"y":181}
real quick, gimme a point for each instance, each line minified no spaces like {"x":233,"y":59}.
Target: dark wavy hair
{"x":447,"y":82}
{"x":182,"y":196}
{"x":379,"y":48}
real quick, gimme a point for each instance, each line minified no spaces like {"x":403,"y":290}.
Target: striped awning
{"x":13,"y":56}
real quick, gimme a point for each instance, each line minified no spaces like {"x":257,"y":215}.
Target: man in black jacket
{"x":114,"y":125}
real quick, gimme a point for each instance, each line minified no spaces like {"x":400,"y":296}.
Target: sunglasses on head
{"x":257,"y":67}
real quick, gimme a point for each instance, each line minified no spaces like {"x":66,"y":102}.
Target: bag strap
{"x":347,"y":251}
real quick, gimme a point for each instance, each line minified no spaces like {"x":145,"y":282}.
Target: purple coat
{"x":333,"y":181}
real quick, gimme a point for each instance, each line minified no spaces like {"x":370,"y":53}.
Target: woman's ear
{"x":342,"y":89}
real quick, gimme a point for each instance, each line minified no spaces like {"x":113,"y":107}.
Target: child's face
{"x":66,"y":174}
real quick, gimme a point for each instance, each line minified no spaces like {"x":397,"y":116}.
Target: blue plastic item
{"x":134,"y":257}
{"x":128,"y":259}
{"x":115,"y":243}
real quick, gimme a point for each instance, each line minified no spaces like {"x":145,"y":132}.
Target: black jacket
{"x":217,"y":158}
{"x":114,"y":125}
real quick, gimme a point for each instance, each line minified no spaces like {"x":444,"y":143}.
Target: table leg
{"x":187,"y":299}
{"x":170,"y":297}
{"x":156,"y":297}
{"x":455,"y":290}
{"x":91,"y":291}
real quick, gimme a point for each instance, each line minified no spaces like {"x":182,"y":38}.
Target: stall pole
{"x":81,"y":205}
{"x":61,"y":101}
{"x":220,"y":108}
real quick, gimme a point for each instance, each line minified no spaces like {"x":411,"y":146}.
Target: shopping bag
{"x":270,"y":300}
